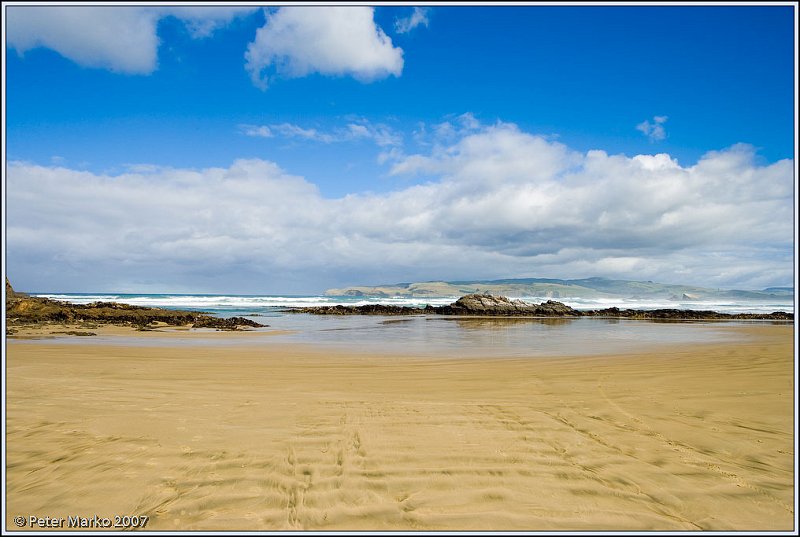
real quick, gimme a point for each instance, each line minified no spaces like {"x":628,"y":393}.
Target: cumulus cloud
{"x":382,"y":135}
{"x":122,"y":39}
{"x":339,"y":41}
{"x":500,"y":202}
{"x":418,"y":17}
{"x":655,"y":130}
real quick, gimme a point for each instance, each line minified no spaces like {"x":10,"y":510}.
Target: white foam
{"x":260,"y":303}
{"x":720,"y":306}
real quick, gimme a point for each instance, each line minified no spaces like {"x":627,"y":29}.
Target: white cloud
{"x":468,"y":121}
{"x":655,"y":130}
{"x":122,"y":39}
{"x":381,"y":134}
{"x":288,"y":130}
{"x":446,"y":132}
{"x":261,"y":131}
{"x":204,"y":21}
{"x":339,"y":41}
{"x":362,"y":129}
{"x":419,"y":16}
{"x":500,"y":203}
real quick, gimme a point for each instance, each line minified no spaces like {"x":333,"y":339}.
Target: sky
{"x":290,"y":149}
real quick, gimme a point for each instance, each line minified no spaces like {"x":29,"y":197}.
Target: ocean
{"x":440,"y":335}
{"x":271,"y":305}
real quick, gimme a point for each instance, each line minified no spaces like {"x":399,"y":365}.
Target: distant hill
{"x":555,"y":288}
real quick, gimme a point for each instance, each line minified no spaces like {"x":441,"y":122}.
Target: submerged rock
{"x":231,"y":323}
{"x":369,"y":309}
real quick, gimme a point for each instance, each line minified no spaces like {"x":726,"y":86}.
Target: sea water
{"x":437,"y":335}
{"x":245,"y":305}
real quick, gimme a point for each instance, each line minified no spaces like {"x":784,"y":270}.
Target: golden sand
{"x":290,"y":437}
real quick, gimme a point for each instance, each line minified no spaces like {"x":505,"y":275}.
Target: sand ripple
{"x":287,"y":439}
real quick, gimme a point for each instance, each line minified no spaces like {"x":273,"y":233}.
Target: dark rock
{"x":685,"y":315}
{"x":552,"y":308}
{"x":35,"y":310}
{"x":22,"y":309}
{"x":369,"y":309}
{"x":486,"y":304}
{"x":76,"y":333}
{"x":231,"y":323}
{"x":490,"y":305}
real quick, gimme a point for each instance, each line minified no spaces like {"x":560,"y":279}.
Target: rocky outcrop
{"x":37,"y":310}
{"x":22,"y":309}
{"x":486,"y":304}
{"x":369,"y":309}
{"x":474,"y":304}
{"x":491,"y":305}
{"x":231,"y":323}
{"x":684,"y":315}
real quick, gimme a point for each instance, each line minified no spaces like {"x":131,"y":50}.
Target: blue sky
{"x":400,"y":108}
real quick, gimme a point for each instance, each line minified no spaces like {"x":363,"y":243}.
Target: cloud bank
{"x":497,"y":202}
{"x":337,"y":41}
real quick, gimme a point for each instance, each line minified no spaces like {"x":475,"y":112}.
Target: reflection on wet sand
{"x":499,"y":323}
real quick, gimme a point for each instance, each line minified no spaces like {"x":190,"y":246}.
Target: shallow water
{"x":423,"y":335}
{"x":482,"y":336}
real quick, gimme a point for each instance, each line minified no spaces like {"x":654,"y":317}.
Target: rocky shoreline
{"x":26,"y":311}
{"x":490,"y":305}
{"x":23,"y":310}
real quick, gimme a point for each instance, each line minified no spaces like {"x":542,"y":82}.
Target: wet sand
{"x":281,"y":437}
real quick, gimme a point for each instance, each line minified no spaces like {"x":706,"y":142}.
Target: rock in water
{"x":556,"y":309}
{"x":486,"y":304}
{"x":231,"y":323}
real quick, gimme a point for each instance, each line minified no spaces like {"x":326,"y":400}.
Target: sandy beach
{"x":292,"y":437}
